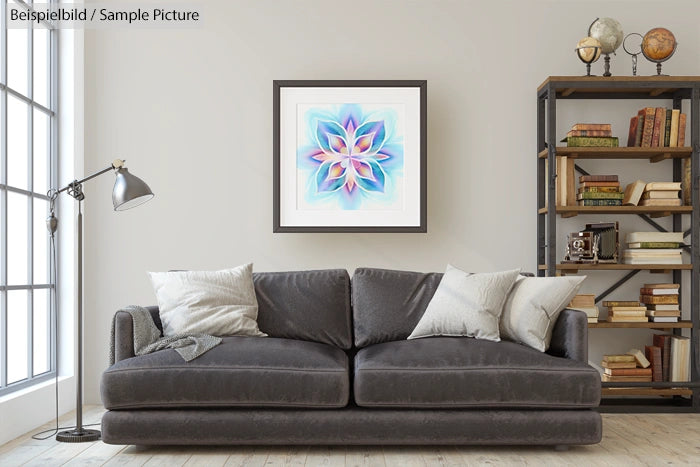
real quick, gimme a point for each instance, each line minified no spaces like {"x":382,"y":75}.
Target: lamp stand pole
{"x":79,"y":434}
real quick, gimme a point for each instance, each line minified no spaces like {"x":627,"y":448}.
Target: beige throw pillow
{"x":533,"y":306}
{"x":466,"y":304}
{"x":220,"y":303}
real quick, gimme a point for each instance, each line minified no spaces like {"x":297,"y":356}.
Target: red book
{"x":663,"y":341}
{"x":653,"y":354}
{"x":659,"y":125}
{"x":681,"y":130}
{"x":597,"y":178}
{"x":629,"y":371}
{"x":592,"y":126}
{"x":634,"y":121}
{"x":648,"y":130}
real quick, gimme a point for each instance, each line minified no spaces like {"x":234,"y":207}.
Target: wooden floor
{"x":649,"y":439}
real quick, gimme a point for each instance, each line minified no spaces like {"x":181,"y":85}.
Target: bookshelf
{"x":626,"y":397}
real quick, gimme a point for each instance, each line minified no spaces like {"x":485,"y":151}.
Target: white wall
{"x":191,"y":111}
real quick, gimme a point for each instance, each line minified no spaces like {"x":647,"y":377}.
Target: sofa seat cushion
{"x":462,"y":372}
{"x":240,"y":372}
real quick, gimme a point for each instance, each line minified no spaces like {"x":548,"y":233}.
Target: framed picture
{"x":350,"y":156}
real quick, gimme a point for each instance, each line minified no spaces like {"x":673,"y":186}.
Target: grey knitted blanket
{"x":147,"y":337}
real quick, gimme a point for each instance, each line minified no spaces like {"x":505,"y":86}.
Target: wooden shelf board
{"x":653,"y":154}
{"x":648,"y":325}
{"x":617,"y":267}
{"x":654,"y":211}
{"x":628,"y":391}
{"x":650,"y":86}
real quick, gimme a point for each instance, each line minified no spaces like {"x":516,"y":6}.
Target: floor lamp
{"x":129,"y":191}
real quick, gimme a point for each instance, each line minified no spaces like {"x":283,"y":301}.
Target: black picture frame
{"x":421,"y":85}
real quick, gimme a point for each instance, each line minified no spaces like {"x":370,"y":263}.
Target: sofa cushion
{"x":461,"y":372}
{"x":241,"y":372}
{"x":387,"y":305}
{"x":306,"y":305}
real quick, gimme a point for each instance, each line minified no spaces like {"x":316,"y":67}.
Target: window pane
{"x":17,"y":239}
{"x":17,"y":59}
{"x":41,"y":65}
{"x":41,"y":152}
{"x":41,"y":242}
{"x":16,"y":335}
{"x":17,"y":150}
{"x":41,"y":323}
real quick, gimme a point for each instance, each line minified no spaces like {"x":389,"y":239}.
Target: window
{"x":27,"y":171}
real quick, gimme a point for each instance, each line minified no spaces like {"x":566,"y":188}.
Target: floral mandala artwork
{"x":351,"y":156}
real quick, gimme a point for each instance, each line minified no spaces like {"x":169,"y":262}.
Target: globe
{"x":658,"y":44}
{"x":609,"y":32}
{"x":588,"y":49}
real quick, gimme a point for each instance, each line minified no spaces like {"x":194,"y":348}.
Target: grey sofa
{"x":337,"y":369}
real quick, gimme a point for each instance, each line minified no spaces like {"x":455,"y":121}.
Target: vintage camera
{"x":597,"y":243}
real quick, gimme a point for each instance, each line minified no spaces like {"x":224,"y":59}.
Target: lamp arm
{"x":117,"y":164}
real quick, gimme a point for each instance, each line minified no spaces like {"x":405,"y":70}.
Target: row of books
{"x":667,"y":359}
{"x":657,"y":127}
{"x":653,"y":248}
{"x":591,"y":135}
{"x":639,"y":193}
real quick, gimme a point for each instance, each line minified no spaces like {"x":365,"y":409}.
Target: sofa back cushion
{"x":306,"y":305}
{"x":387,"y":305}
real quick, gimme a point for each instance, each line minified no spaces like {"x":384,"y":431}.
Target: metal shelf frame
{"x":676,"y":89}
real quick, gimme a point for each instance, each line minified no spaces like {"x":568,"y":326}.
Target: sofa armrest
{"x":570,"y":336}
{"x":124,"y":333}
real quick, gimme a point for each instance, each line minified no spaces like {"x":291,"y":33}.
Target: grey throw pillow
{"x":466,"y":304}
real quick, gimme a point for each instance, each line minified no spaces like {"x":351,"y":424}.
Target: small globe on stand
{"x":588,"y":51}
{"x":609,"y":32}
{"x":658,"y":45}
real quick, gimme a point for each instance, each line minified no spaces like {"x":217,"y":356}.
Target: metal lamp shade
{"x":129,"y":191}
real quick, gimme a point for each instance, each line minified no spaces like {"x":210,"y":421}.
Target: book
{"x":610,"y":303}
{"x":640,"y":127}
{"x":663,"y":341}
{"x":657,"y":299}
{"x":663,"y":307}
{"x":627,"y":379}
{"x":592,"y":141}
{"x":608,"y":184}
{"x":663,"y":319}
{"x":652,"y":252}
{"x":664,"y":313}
{"x":619,"y":358}
{"x":599,"y":195}
{"x":621,"y":309}
{"x":617,"y":365}
{"x":676,"y":237}
{"x":659,"y":121}
{"x":673,"y":186}
{"x":686,"y":184}
{"x":653,"y":245}
{"x":650,"y":291}
{"x":598,"y":178}
{"x":648,"y":130}
{"x":667,"y":129}
{"x":658,"y":260}
{"x":673,"y":138}
{"x":660,"y":202}
{"x":681,"y":130}
{"x":680,"y":359}
{"x":662,"y":285}
{"x":582,"y":300}
{"x":591,"y":311}
{"x":660,"y":194}
{"x":592,"y":126}
{"x":600,"y":202}
{"x":639,"y":356}
{"x":627,"y":319}
{"x":653,"y":354}
{"x":607,"y":133}
{"x":632,"y":136}
{"x":599,"y":189}
{"x":628,"y":371}
{"x":633,"y":193}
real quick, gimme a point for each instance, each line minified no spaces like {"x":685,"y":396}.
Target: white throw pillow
{"x":220,"y":303}
{"x":533,"y":306}
{"x":466,"y":304}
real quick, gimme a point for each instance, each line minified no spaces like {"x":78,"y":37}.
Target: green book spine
{"x":600,"y":189}
{"x":667,"y":130}
{"x":658,"y":245}
{"x":594,"y":195}
{"x":600,"y":202}
{"x":591,"y":141}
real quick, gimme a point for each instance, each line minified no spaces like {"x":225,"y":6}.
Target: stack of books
{"x":661,"y":301}
{"x":661,"y":194}
{"x":629,"y":367}
{"x":585,"y":303}
{"x":626,"y":312}
{"x":669,"y":356}
{"x":591,"y":135}
{"x":657,"y":127}
{"x":599,"y":190}
{"x":653,"y":248}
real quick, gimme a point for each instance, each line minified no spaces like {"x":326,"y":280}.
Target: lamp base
{"x":78,"y":436}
